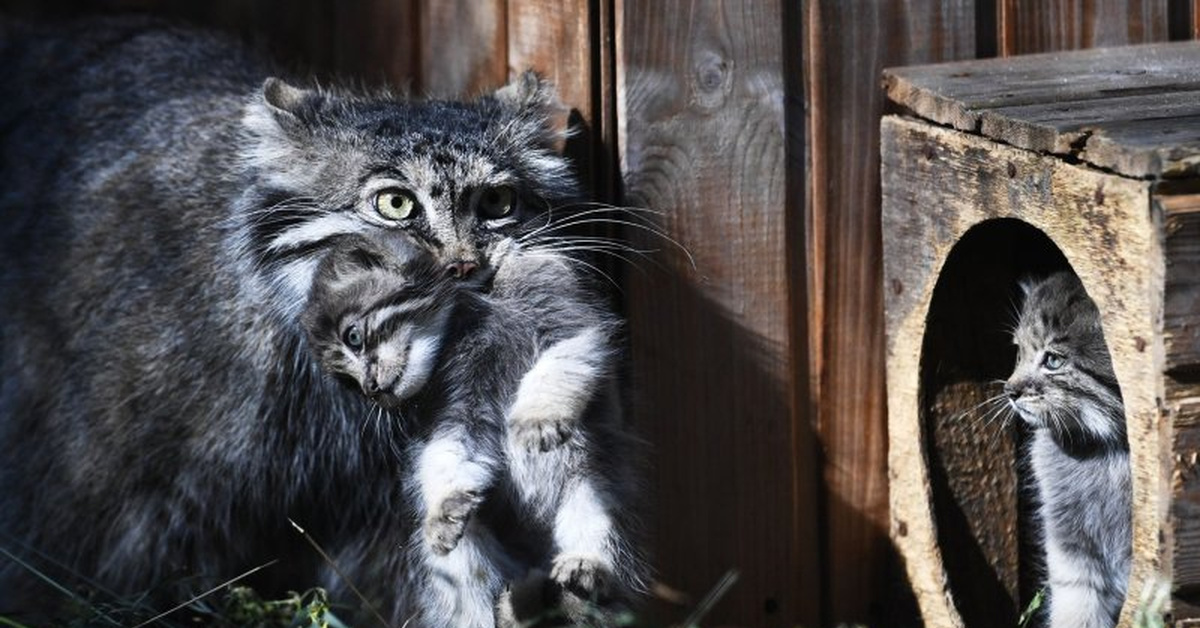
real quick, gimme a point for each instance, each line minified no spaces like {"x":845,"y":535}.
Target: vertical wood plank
{"x":463,"y":48}
{"x":560,"y":40}
{"x":847,"y":45}
{"x":1181,"y":19}
{"x":377,"y":41}
{"x":701,"y":117}
{"x":1048,"y":25}
{"x":554,"y":38}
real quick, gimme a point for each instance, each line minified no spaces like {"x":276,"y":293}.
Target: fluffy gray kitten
{"x":165,"y":210}
{"x":520,"y":418}
{"x":1064,"y":388}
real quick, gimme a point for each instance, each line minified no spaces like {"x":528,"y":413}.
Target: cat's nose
{"x":461,"y":269}
{"x":371,"y":386}
{"x":1013,"y":391}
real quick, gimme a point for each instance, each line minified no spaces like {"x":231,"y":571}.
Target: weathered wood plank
{"x":1048,"y":25}
{"x":1181,"y":308}
{"x":1056,"y":127}
{"x":1180,"y":218}
{"x":463,"y":46}
{"x":1102,"y":226}
{"x":846,"y":45}
{"x":956,"y":93}
{"x":1123,"y":98}
{"x":556,"y":38}
{"x":376,"y":41}
{"x":701,"y":106}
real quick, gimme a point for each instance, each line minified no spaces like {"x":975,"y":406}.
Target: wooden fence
{"x":752,"y":125}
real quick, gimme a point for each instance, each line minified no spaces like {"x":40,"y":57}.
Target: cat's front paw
{"x":446,"y":521}
{"x":541,"y":433}
{"x":580,"y":573}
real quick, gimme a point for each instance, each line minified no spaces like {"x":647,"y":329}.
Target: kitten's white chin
{"x":422,"y":354}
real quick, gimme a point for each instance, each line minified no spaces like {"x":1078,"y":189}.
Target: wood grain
{"x":701,"y":105}
{"x":1101,"y":224}
{"x":463,"y":46}
{"x":558,"y":39}
{"x":1179,"y":214}
{"x":1181,"y":308}
{"x":847,"y":44}
{"x":1133,"y":110}
{"x":1047,"y":25}
{"x":377,"y":42}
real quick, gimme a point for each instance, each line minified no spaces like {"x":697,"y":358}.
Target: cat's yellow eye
{"x":496,"y":202}
{"x":395,"y":204}
{"x":1053,"y":361}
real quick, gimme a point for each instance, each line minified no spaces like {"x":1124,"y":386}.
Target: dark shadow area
{"x":983,"y":516}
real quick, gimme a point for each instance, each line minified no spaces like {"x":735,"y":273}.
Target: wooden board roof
{"x":1134,"y":110}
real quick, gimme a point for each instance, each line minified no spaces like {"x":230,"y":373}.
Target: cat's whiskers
{"x":590,"y":216}
{"x":975,"y":407}
{"x":535,"y":251}
{"x":257,"y":215}
{"x":578,"y":218}
{"x":599,"y":249}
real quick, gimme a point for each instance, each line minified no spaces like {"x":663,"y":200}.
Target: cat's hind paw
{"x":580,"y":573}
{"x":540,"y":434}
{"x":447,"y":521}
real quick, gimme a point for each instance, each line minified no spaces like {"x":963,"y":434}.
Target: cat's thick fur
{"x":1064,"y":388}
{"x":164,"y":212}
{"x":521,"y":417}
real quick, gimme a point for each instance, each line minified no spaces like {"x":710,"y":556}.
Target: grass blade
{"x":710,"y":600}
{"x":328,"y":560}
{"x":206,"y":594}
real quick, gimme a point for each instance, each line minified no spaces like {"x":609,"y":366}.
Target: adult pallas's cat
{"x":164,"y":208}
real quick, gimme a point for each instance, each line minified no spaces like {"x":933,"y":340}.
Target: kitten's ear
{"x":1027,"y":284}
{"x":533,"y":99}
{"x":288,"y":103}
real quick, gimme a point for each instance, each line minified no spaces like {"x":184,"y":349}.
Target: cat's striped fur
{"x":1064,"y":388}
{"x":165,"y":210}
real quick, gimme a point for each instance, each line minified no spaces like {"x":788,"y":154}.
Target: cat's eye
{"x":353,"y":337}
{"x":1052,"y":361}
{"x":496,"y":202}
{"x":395,"y":204}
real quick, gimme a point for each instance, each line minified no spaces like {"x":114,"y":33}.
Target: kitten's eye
{"x":1053,"y":361}
{"x":395,"y":204}
{"x":353,"y":337}
{"x":495,"y":202}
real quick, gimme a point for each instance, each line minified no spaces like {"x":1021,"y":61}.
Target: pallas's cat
{"x":519,"y":417}
{"x":1064,"y":388}
{"x":165,"y":208}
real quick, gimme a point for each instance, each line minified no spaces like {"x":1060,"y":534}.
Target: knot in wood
{"x":713,"y":78}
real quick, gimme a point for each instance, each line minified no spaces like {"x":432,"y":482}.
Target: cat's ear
{"x":532,"y":99}
{"x":528,"y":92}
{"x":288,"y":103}
{"x":1027,"y":284}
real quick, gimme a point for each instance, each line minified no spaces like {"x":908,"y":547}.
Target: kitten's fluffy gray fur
{"x":522,"y":461}
{"x":1064,"y":388}
{"x":164,"y":213}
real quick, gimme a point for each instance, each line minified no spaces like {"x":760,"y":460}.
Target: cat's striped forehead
{"x":1057,"y":309}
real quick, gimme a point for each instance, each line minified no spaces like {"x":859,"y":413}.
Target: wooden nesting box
{"x":1004,"y":168}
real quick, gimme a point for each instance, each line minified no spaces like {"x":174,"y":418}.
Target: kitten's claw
{"x":446,"y":522}
{"x":580,"y":573}
{"x":541,"y":434}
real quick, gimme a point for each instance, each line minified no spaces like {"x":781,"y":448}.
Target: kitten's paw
{"x":446,"y":521}
{"x":581,"y":573}
{"x":540,"y":434}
